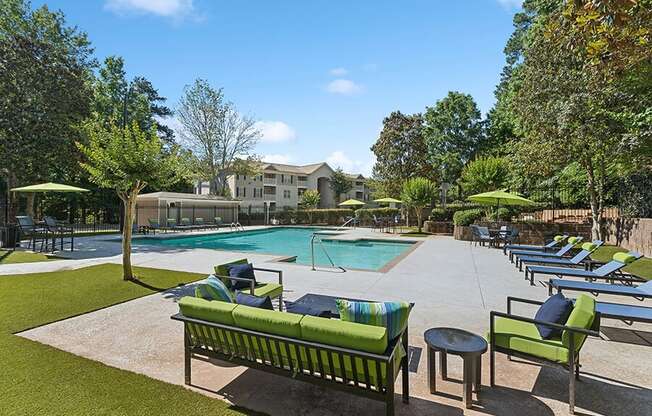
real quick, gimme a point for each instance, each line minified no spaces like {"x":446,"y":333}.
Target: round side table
{"x":459,"y":342}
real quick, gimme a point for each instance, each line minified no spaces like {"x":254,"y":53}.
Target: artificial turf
{"x":12,"y":257}
{"x":641,"y":267}
{"x":41,"y":380}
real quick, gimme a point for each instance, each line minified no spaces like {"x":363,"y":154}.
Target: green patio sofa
{"x":273,"y":290}
{"x":518,"y":336}
{"x":345,"y":356}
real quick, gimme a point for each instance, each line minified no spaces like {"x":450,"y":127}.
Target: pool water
{"x":293,"y":241}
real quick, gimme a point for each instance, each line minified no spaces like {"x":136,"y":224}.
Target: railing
{"x":315,"y":237}
{"x":270,"y":181}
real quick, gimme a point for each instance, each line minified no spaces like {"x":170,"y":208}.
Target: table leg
{"x":432,"y":370}
{"x":478,"y":375}
{"x":467,"y":381}
{"x":443,"y":365}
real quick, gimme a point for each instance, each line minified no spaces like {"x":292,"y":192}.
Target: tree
{"x":310,"y":200}
{"x":453,"y":131}
{"x":571,"y":110}
{"x":214,"y":131}
{"x":120,"y":101}
{"x":485,"y":174}
{"x":45,"y":69}
{"x":340,"y":183}
{"x":128,"y":160}
{"x":418,"y":194}
{"x":400,"y":153}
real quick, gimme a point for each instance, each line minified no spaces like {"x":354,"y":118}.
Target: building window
{"x":291,"y":179}
{"x":244,"y":192}
{"x":237,"y":177}
{"x":282,"y":178}
{"x":287,"y":194}
{"x":237,"y":191}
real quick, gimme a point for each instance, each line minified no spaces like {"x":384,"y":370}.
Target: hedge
{"x":446,"y":214}
{"x":467,"y":216}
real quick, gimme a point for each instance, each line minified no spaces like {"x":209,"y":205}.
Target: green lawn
{"x":41,"y":380}
{"x":641,"y":267}
{"x":11,"y":257}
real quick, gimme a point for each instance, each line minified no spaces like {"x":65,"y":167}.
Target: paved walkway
{"x":452,"y":284}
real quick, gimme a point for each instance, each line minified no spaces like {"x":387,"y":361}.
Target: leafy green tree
{"x":453,"y":131}
{"x":340,"y":183}
{"x":485,"y":174}
{"x":310,"y":200}
{"x":128,"y":160}
{"x":45,"y":68}
{"x":569,"y":110}
{"x":400,"y":154}
{"x":418,"y":194}
{"x":120,"y":101}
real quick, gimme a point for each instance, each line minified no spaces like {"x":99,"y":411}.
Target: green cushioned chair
{"x":273,"y":290}
{"x":347,"y":356}
{"x":518,"y":336}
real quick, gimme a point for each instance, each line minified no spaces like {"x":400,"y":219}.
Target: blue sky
{"x":319,"y":75}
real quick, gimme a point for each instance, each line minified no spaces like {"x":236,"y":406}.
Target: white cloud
{"x":338,"y":72}
{"x":338,"y":159}
{"x":282,"y":159}
{"x":166,"y":8}
{"x":511,"y":4}
{"x":275,"y":131}
{"x":344,"y":87}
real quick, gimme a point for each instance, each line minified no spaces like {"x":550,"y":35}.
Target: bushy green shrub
{"x":467,"y":216}
{"x":504,"y":214}
{"x":446,"y":214}
{"x":365,"y":215}
{"x":328,"y":216}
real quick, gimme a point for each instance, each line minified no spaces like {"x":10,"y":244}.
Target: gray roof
{"x":300,"y":169}
{"x":178,"y":196}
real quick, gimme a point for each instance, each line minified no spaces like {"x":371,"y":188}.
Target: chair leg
{"x":571,"y":384}
{"x":405,"y":370}
{"x":492,"y":368}
{"x":187,"y":355}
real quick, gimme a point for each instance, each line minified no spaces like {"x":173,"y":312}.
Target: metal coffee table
{"x":457,"y":342}
{"x":324,"y":302}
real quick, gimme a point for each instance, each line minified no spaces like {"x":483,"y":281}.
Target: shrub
{"x":331,"y":216}
{"x":504,"y":214}
{"x":446,"y":214}
{"x":467,"y":216}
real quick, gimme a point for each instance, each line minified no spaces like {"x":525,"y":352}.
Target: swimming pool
{"x":293,"y":241}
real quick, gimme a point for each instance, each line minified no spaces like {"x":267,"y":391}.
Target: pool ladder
{"x":237,"y":226}
{"x":315,"y":237}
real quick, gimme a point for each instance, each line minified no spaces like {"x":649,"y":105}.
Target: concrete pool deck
{"x":452,"y":284}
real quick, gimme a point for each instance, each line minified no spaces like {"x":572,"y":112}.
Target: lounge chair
{"x":273,"y":290}
{"x":171,"y":224}
{"x":626,"y":313}
{"x":186,"y":224}
{"x":640,"y":292}
{"x":58,"y":230}
{"x":509,"y":236}
{"x":577,"y":260}
{"x":608,"y":271}
{"x":200,"y":224}
{"x":481,"y":235}
{"x":556,"y":241}
{"x":518,"y":336}
{"x":572,"y":241}
{"x":217,"y":222}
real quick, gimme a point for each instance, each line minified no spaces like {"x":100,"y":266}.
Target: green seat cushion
{"x":558,"y":238}
{"x":624,"y":258}
{"x":573,"y":240}
{"x":589,"y":247}
{"x":524,"y":337}
{"x":271,"y":322}
{"x":273,"y":290}
{"x":349,"y":335}
{"x":582,"y":316}
{"x":207,"y":310}
{"x":222,"y":270}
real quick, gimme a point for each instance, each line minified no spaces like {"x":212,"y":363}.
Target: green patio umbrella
{"x":499,"y":196}
{"x":351,"y":203}
{"x":388,"y":201}
{"x":49,"y":187}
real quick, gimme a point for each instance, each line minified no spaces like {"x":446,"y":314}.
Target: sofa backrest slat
{"x":354,"y":370}
{"x":379,"y":378}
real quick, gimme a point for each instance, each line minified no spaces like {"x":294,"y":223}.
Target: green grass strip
{"x":641,"y":268}
{"x":41,"y":380}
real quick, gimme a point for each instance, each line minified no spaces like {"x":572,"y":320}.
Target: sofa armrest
{"x":278,"y":272}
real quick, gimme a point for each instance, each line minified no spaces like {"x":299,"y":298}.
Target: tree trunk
{"x":129,"y":205}
{"x":12,"y":197}
{"x":596,"y":204}
{"x":29,"y":210}
{"x":419,"y":213}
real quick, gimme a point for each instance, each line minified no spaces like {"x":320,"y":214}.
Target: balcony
{"x":270,"y":181}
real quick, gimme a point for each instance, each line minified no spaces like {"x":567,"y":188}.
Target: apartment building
{"x":279,"y":186}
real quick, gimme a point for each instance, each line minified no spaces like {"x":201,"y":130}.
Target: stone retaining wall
{"x":438,"y":227}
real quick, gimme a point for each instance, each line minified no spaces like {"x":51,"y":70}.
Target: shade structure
{"x":499,"y":197}
{"x":351,"y":203}
{"x":49,"y":187}
{"x":388,"y":201}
